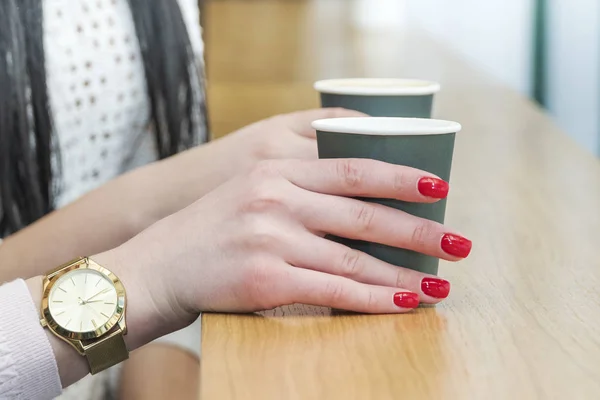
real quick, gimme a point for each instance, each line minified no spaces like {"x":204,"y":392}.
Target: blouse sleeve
{"x":28,"y":367}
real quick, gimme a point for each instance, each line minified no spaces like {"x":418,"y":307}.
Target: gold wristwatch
{"x":83,"y":304}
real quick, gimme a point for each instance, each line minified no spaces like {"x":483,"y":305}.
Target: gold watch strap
{"x":79,"y":260}
{"x":106,"y":352}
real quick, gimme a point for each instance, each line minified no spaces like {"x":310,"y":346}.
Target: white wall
{"x":574,"y":71}
{"x":497,"y":36}
{"x":494,"y":34}
{"x":379,"y":14}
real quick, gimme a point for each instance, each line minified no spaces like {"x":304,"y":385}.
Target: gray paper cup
{"x":380,"y":97}
{"x":426,"y":144}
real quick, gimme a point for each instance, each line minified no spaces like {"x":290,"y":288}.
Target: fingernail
{"x":456,"y":245}
{"x":433,"y":187}
{"x":406,"y":300}
{"x":435,"y":287}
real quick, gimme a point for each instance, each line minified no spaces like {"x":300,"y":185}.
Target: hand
{"x":285,"y":136}
{"x":176,"y":182}
{"x":257,"y":242}
{"x":131,"y":203}
{"x":96,"y":295}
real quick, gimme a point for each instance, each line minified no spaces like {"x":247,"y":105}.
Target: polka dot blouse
{"x":97,"y":89}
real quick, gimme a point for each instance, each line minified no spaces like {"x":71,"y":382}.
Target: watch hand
{"x":97,"y":294}
{"x":93,"y":301}
{"x":100,"y":314}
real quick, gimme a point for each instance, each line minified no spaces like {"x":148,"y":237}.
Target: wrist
{"x":144,"y":321}
{"x":146,"y":318}
{"x":143,"y":325}
{"x":153,"y":308}
{"x":140,"y":199}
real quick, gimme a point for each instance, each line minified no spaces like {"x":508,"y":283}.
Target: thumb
{"x":300,"y":121}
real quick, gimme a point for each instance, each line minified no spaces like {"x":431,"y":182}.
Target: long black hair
{"x":29,"y":161}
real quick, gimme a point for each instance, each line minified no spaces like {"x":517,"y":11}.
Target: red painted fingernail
{"x":433,"y":187}
{"x":435,"y":287}
{"x":455,"y":245}
{"x":406,"y":300}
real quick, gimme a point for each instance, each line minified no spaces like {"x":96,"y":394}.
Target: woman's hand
{"x":257,"y":242}
{"x":288,"y":136}
{"x":176,"y":182}
{"x":285,"y":136}
{"x":129,"y":204}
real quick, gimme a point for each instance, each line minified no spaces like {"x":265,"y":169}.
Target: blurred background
{"x":547,"y":50}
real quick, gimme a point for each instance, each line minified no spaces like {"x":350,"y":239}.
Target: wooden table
{"x":523,"y":318}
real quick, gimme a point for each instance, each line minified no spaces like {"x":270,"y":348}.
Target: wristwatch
{"x":84,"y":304}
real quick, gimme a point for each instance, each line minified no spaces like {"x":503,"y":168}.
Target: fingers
{"x":316,"y":288}
{"x":356,"y":219}
{"x":305,"y":148}
{"x":319,"y":254}
{"x":300,"y":121}
{"x":365,"y":178}
{"x":360,"y":220}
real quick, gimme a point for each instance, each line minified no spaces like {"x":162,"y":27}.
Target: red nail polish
{"x":433,"y":187}
{"x":435,"y":287}
{"x":406,"y":300}
{"x":455,"y":245}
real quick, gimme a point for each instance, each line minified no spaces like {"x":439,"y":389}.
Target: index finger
{"x":365,"y":178}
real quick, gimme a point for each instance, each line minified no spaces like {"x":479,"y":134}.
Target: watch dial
{"x":82,"y":300}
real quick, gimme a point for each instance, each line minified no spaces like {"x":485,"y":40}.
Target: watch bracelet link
{"x":106,"y":352}
{"x":79,"y":260}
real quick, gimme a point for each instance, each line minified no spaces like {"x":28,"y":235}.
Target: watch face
{"x":82,"y":300}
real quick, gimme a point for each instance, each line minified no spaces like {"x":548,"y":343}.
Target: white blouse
{"x":97,"y":89}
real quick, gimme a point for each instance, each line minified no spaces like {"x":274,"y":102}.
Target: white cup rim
{"x":387,"y":126}
{"x":380,"y":87}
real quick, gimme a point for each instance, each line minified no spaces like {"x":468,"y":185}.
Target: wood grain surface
{"x":523,"y":317}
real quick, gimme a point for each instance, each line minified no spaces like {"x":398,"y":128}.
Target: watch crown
{"x":43,"y":322}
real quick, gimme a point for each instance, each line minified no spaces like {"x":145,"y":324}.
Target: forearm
{"x":96,"y":222}
{"x":115,"y":212}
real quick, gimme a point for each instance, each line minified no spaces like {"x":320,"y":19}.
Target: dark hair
{"x":29,"y":159}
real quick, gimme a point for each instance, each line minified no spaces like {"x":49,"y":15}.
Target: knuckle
{"x":363,"y":215}
{"x":256,"y":282}
{"x":422,"y":233}
{"x":400,"y":278}
{"x":408,"y":279}
{"x":350,"y":173}
{"x":262,"y":235}
{"x":401,"y":182}
{"x":352,"y":263}
{"x":264,"y":197}
{"x":372,"y":302}
{"x":335,"y":293}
